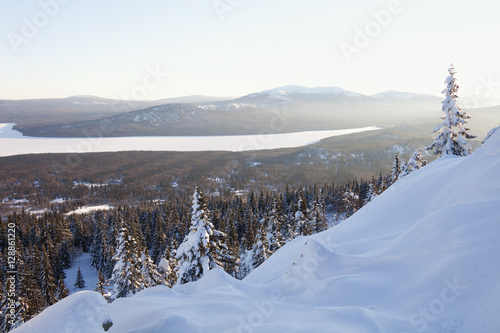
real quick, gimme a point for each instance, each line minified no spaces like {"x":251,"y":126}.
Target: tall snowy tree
{"x":101,"y":284}
{"x":127,"y":278}
{"x":168,"y":264}
{"x":303,"y":222}
{"x":452,"y":133}
{"x":396,"y":170}
{"x":198,"y":253}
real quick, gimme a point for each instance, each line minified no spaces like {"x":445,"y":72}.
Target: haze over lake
{"x":12,"y":142}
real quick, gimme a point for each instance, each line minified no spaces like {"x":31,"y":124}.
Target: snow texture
{"x":83,"y":312}
{"x":421,"y":257}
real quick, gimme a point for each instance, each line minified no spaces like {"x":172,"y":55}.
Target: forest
{"x":134,"y":247}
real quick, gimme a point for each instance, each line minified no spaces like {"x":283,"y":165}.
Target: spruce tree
{"x":168,"y":264}
{"x":396,"y":170}
{"x":47,"y":282}
{"x":80,"y":282}
{"x":416,"y":162}
{"x":200,"y":250}
{"x":127,"y":278}
{"x":403,"y":170}
{"x":62,"y":291}
{"x":302,"y":219}
{"x":452,"y":133}
{"x":101,"y":284}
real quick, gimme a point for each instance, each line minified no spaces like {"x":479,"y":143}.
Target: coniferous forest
{"x":134,"y":247}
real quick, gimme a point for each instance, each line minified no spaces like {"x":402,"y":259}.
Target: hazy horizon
{"x":166,"y":49}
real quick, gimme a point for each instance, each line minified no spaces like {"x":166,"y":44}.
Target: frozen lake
{"x":13,"y":142}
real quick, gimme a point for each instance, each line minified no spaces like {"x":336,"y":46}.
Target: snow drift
{"x":83,"y":312}
{"x":422,"y":257}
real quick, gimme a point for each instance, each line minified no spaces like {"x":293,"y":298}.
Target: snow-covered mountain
{"x":294,"y":93}
{"x":280,"y":110}
{"x":422,"y":257}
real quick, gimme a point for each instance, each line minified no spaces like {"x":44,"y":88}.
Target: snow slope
{"x":422,"y":257}
{"x":83,"y":312}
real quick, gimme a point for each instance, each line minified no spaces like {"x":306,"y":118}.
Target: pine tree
{"x":396,"y":170}
{"x":62,"y":291}
{"x":101,"y":284}
{"x":159,"y":239}
{"x":149,"y":270}
{"x":452,"y":133}
{"x":168,"y":264}
{"x":403,"y":170}
{"x":30,"y":288}
{"x":199,"y":253}
{"x":416,"y":162}
{"x":80,"y":282}
{"x":47,"y":283}
{"x":261,"y":251}
{"x":302,"y":219}
{"x":319,"y":217}
{"x":127,"y":278}
{"x":372,"y":190}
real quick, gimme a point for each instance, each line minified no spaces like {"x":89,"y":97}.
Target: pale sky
{"x":155,"y":49}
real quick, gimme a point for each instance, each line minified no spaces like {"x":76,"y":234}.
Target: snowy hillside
{"x":422,"y":257}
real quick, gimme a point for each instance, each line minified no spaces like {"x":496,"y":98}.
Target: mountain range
{"x":279,"y":110}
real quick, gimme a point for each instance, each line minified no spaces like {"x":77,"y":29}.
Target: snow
{"x":86,"y":210}
{"x":89,"y":275}
{"x":282,"y":92}
{"x":83,"y":312}
{"x":58,"y":200}
{"x":13,"y":143}
{"x":421,"y":257}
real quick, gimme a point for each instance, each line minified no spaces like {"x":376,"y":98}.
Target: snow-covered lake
{"x":12,"y":142}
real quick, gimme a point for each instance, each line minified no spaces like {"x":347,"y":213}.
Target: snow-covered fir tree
{"x":200,"y":251}
{"x":452,"y":133}
{"x":261,"y":251}
{"x":149,"y":270}
{"x":101,"y":284}
{"x":403,"y":170}
{"x":168,"y":263}
{"x":304,"y":224}
{"x":318,"y":216}
{"x":372,"y":190}
{"x":396,"y":170}
{"x":416,"y":162}
{"x":127,"y":277}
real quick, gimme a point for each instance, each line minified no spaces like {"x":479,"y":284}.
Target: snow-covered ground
{"x":89,"y":209}
{"x":13,"y":143}
{"x":422,"y":257}
{"x":82,"y":261}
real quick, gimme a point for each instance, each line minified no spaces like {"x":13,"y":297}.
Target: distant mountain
{"x":279,"y":110}
{"x":35,"y":112}
{"x":393,"y":96}
{"x":287,"y":94}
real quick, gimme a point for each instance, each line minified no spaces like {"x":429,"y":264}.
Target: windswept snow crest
{"x":421,"y":257}
{"x":83,"y":312}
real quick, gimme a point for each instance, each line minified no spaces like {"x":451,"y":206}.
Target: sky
{"x":154,"y":49}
